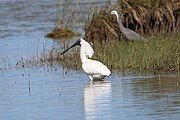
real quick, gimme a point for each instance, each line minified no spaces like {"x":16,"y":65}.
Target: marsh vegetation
{"x":157,"y":20}
{"x":161,"y":52}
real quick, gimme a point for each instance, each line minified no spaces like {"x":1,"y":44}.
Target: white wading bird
{"x":94,"y":69}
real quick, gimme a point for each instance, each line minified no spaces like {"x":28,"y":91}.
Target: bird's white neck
{"x":117,"y":16}
{"x":86,"y":51}
{"x":83,"y":56}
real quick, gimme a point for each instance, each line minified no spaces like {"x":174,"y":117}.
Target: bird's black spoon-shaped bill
{"x":76,"y":43}
{"x":67,"y":49}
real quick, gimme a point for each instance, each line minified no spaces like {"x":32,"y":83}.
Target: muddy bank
{"x":61,"y":33}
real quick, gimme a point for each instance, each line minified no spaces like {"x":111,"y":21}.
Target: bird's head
{"x":87,"y":47}
{"x":119,"y":16}
{"x":78,"y":42}
{"x":114,"y":13}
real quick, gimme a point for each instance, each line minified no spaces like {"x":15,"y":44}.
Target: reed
{"x":151,"y":16}
{"x":158,"y":54}
{"x":146,"y":17}
{"x":161,"y":53}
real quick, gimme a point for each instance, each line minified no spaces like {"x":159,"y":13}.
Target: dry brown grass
{"x":146,"y":17}
{"x":150,"y":16}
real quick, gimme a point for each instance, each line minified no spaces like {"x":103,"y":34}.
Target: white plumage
{"x":94,"y":69}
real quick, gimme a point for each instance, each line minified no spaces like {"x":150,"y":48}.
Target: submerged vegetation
{"x":59,"y":33}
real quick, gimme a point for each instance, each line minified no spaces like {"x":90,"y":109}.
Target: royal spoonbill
{"x":93,"y":68}
{"x":128,"y":33}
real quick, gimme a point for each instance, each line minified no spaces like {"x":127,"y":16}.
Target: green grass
{"x":157,"y":54}
{"x":162,"y":53}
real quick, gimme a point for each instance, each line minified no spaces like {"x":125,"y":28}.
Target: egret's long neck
{"x":83,"y":55}
{"x":120,"y":23}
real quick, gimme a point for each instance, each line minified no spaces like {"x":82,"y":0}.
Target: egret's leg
{"x":91,"y":78}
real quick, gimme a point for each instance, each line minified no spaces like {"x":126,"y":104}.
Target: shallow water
{"x":58,"y":94}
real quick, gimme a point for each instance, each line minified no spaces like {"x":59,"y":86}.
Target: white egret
{"x":94,"y":69}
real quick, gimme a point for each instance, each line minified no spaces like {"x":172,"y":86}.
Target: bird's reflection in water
{"x":97,"y":99}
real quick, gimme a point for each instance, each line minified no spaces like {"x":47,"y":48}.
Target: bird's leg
{"x":91,"y":79}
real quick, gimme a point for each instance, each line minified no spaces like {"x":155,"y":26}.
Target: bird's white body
{"x":94,"y":69}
